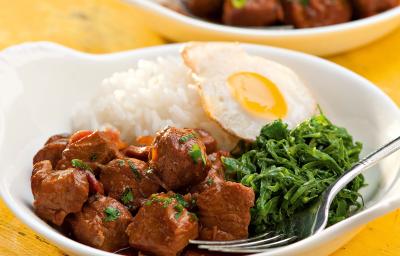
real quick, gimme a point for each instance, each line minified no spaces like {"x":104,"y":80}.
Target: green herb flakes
{"x":165,"y":201}
{"x":179,"y":210}
{"x":111,"y":214}
{"x":238,"y":4}
{"x":196,"y":154}
{"x":304,"y":2}
{"x":288,"y":169}
{"x":210,"y":181}
{"x":93,"y":157}
{"x":79,"y":164}
{"x":193,"y":217}
{"x":121,"y":163}
{"x":135,"y":171}
{"x":186,"y":137}
{"x":179,"y":198}
{"x":127,"y":196}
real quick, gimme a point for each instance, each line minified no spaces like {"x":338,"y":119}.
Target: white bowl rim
{"x":259,"y":32}
{"x":49,"y":48}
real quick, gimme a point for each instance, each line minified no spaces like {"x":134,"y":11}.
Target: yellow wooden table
{"x":100,"y":26}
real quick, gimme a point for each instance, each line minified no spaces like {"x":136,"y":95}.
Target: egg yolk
{"x":257,"y":94}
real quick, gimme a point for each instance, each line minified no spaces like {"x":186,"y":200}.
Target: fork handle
{"x":358,"y":168}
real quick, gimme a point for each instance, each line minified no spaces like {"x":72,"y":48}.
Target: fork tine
{"x":273,"y":244}
{"x":243,"y":244}
{"x":203,"y":242}
{"x":254,"y":248}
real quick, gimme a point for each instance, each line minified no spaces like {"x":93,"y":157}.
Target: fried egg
{"x":243,"y":92}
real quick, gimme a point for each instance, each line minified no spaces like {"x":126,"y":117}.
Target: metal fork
{"x":306,"y":223}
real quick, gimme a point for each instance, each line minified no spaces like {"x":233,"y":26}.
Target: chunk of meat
{"x":102,"y":224}
{"x":209,"y":141}
{"x":316,"y":13}
{"x":126,"y":180}
{"x":216,"y":174}
{"x":178,"y":158}
{"x":366,"y":8}
{"x":91,"y":148}
{"x":205,"y":8}
{"x":62,"y":136}
{"x":52,"y":149}
{"x":224,"y":211}
{"x":95,"y":187}
{"x":162,"y":226}
{"x":253,"y":13}
{"x":138,"y":152}
{"x":58,"y":193}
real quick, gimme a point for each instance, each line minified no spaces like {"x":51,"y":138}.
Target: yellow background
{"x":100,"y":26}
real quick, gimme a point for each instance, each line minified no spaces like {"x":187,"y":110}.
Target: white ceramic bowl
{"x":41,"y":82}
{"x":319,"y":41}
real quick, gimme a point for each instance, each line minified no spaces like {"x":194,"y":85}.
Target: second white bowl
{"x":322,"y":41}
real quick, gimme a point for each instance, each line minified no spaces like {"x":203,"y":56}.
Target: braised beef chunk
{"x":179,"y":158}
{"x":51,"y":151}
{"x":209,"y":141}
{"x":89,"y":147}
{"x":126,"y":180}
{"x":205,"y":8}
{"x":58,"y":192}
{"x":316,"y":13}
{"x":138,"y":152}
{"x":162,"y":226}
{"x":95,"y":187}
{"x":102,"y":224}
{"x":253,"y":13}
{"x":224,"y":211}
{"x":366,"y":8}
{"x":62,"y":136}
{"x":216,"y":174}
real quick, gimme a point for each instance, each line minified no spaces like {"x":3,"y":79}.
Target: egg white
{"x":213,"y":63}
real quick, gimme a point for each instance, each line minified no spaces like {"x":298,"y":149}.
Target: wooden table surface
{"x":100,"y":26}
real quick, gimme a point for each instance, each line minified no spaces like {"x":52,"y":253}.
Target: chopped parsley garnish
{"x":304,"y":2}
{"x":179,"y":204}
{"x":165,"y":201}
{"x":135,"y":171}
{"x":186,"y":137}
{"x":288,"y":169}
{"x":193,"y":217}
{"x":238,"y":4}
{"x":121,"y":163}
{"x":210,"y":181}
{"x":180,"y":200}
{"x":77,"y":163}
{"x":93,"y":157}
{"x":127,"y":196}
{"x":196,"y":154}
{"x":179,"y":210}
{"x":111,"y":214}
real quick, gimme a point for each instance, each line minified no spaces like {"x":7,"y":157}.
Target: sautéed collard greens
{"x":287,"y":169}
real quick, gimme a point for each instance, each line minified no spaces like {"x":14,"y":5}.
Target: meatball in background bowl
{"x":322,"y":41}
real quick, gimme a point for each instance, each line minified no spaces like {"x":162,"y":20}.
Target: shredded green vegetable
{"x":287,"y":169}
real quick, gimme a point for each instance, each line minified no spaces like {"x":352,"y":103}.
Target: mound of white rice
{"x":147,"y":98}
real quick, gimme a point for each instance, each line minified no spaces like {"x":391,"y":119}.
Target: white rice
{"x":147,"y":98}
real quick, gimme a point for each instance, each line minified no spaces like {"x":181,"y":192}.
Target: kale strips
{"x":287,"y":169}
